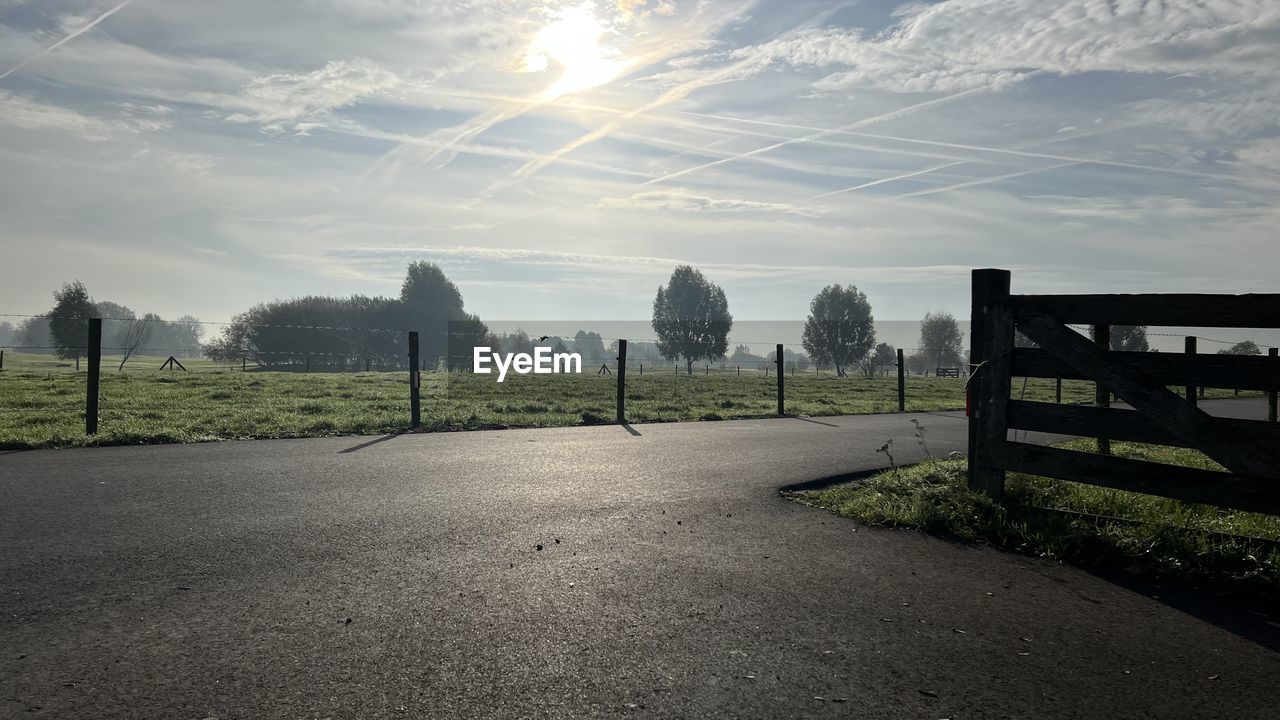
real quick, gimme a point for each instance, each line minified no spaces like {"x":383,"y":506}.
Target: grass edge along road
{"x":1224,"y":551}
{"x":43,"y":407}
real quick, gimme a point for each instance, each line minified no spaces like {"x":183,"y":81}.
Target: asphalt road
{"x":401,"y":577}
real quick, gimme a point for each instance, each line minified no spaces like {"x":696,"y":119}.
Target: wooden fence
{"x":1248,"y":449}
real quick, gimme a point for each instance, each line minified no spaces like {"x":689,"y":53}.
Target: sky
{"x":557,"y":160}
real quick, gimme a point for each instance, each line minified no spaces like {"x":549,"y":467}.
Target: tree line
{"x":692,"y":321}
{"x":690,"y":317}
{"x":64,"y":329}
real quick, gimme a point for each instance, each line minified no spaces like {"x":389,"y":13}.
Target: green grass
{"x":1097,"y":528}
{"x":42,"y":400}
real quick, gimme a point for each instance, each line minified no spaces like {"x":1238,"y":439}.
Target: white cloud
{"x":28,"y":114}
{"x":292,"y":97}
{"x":964,"y":44}
{"x":679,"y":200}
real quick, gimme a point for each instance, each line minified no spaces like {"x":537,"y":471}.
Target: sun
{"x":572,"y":41}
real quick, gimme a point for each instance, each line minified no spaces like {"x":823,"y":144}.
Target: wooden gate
{"x":1248,"y":449}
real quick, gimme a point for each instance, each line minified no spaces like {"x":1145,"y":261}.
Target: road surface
{"x":401,"y":577}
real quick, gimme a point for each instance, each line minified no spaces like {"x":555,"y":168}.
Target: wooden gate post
{"x":1189,"y":346}
{"x":902,"y":382}
{"x":781,"y":408}
{"x":991,"y":341}
{"x":415,"y":379}
{"x":1101,"y":393}
{"x":91,"y":386}
{"x":622,"y":382}
{"x":1271,"y":396}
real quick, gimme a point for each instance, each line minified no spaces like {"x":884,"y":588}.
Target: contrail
{"x":1049,"y":156}
{"x":461,"y":134}
{"x":64,"y":40}
{"x":985,"y":181}
{"x":1043,"y":141}
{"x":676,"y":93}
{"x":895,"y":178}
{"x":892,"y":115}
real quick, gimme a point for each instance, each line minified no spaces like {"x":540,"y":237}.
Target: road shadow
{"x":628,"y":428}
{"x":823,"y":483}
{"x":375,"y":441}
{"x":1254,"y":619}
{"x":815,"y":422}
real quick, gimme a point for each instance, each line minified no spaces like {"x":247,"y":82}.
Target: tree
{"x":464,"y":336}
{"x":884,"y":355}
{"x":590,"y":346}
{"x":33,"y":333}
{"x":183,"y":335}
{"x":1131,"y":338}
{"x":1248,"y":347}
{"x":429,"y":302}
{"x":6,"y":332}
{"x":691,"y":318}
{"x":840,"y":329}
{"x":941,"y":340}
{"x":68,"y":325}
{"x":135,"y":334}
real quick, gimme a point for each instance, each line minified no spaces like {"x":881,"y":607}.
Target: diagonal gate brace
{"x":1163,"y":407}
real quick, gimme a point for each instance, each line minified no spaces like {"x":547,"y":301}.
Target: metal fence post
{"x":95,"y":367}
{"x":415,"y":379}
{"x":1271,"y":396}
{"x":902,"y":382}
{"x":622,"y":382}
{"x":778,"y":358}
{"x":1189,"y":345}
{"x":1057,"y":390}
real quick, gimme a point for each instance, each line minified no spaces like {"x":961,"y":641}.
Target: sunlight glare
{"x":572,"y":41}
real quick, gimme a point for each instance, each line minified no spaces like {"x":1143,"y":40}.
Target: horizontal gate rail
{"x":1185,"y":310}
{"x":1122,"y":424}
{"x":1173,"y":481}
{"x":1249,"y":450}
{"x":1237,"y":372}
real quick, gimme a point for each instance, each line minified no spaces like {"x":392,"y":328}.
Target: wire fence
{"x":149,"y":391}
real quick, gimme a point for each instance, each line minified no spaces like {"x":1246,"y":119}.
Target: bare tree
{"x":135,"y":334}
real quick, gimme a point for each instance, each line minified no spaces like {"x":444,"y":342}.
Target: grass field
{"x":1088,"y":526}
{"x":42,"y":400}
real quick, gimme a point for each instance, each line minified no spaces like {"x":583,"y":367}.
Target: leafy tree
{"x":1131,"y":338}
{"x":591,"y":346}
{"x":33,"y":333}
{"x":517,"y":342}
{"x":182,"y":336}
{"x":68,"y":324}
{"x":840,"y":329}
{"x":6,"y":332}
{"x":941,"y":340}
{"x":464,"y":336}
{"x":429,"y":301}
{"x":1248,"y":347}
{"x":691,"y":318}
{"x":347,"y":332}
{"x":883,"y":355}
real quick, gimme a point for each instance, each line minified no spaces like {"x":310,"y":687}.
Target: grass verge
{"x":1222,"y":551}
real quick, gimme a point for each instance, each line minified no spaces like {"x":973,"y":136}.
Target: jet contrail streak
{"x":895,"y":178}
{"x":63,"y":41}
{"x":892,"y":115}
{"x":1043,"y":141}
{"x":676,"y":93}
{"x":985,"y":181}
